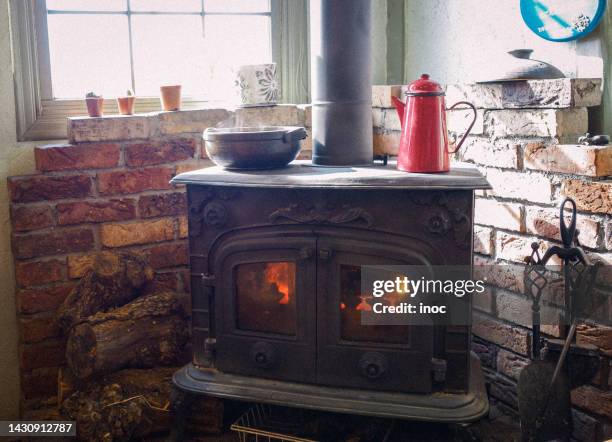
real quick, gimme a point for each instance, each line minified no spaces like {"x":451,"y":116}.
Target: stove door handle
{"x":305,"y":253}
{"x":325,"y":254}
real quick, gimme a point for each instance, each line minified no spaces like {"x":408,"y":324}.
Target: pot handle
{"x":467,"y":132}
{"x":297,"y":133}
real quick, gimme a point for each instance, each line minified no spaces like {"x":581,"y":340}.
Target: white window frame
{"x":40,"y":117}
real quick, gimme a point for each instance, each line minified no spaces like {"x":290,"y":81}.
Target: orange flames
{"x":363,"y":305}
{"x":279,"y":273}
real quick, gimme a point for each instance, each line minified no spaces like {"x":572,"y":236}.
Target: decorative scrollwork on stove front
{"x":447,"y":214}
{"x":463,"y":228}
{"x":322,"y":215}
{"x":215,"y":214}
{"x":439,"y":224}
{"x":207,"y":211}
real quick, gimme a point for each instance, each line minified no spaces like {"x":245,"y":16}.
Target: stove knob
{"x":373,"y":365}
{"x":262,"y":355}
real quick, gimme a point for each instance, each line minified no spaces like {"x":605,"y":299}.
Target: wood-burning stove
{"x":276,"y":260}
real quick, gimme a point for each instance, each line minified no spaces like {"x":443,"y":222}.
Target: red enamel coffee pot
{"x":424,"y":140}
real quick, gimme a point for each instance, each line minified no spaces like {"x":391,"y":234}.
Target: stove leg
{"x":181,"y":404}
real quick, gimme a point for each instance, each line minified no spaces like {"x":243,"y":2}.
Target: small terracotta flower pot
{"x":94,"y":106}
{"x":170,"y":97}
{"x":126,"y":105}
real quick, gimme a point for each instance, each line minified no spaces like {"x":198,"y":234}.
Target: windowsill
{"x":51,"y":121}
{"x":144,"y":125}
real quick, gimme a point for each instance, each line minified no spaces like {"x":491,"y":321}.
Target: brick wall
{"x":517,"y":143}
{"x":108,"y":190}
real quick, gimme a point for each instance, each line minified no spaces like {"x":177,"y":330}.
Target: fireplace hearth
{"x":276,"y":262}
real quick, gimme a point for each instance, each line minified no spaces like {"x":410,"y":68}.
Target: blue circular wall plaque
{"x":562,"y":20}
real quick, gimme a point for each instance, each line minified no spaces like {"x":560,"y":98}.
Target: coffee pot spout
{"x":400,"y":106}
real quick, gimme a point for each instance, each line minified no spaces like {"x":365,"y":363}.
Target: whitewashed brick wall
{"x":525,"y":142}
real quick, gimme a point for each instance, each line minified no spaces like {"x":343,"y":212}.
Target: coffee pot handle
{"x":467,"y":132}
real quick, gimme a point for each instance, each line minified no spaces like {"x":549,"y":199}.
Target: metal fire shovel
{"x":543,"y":387}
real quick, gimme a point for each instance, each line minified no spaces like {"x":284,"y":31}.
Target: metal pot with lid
{"x":253,"y":148}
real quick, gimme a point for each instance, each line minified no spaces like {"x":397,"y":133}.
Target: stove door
{"x":383,"y":357}
{"x":266,"y":309}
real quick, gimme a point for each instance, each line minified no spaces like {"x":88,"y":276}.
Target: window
{"x":65,"y":48}
{"x":142,"y":44}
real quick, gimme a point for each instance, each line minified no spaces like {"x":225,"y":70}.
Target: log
{"x":124,"y":405}
{"x":135,"y":403}
{"x":147,"y":332}
{"x":113,"y":280}
{"x":67,"y":384}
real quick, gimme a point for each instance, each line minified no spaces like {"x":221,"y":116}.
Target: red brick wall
{"x":90,"y":197}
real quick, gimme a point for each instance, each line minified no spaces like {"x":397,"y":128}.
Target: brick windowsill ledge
{"x":168,"y":124}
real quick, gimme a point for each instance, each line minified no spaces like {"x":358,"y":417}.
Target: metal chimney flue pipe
{"x":341,"y":60}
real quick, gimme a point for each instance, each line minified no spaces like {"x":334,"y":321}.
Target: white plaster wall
{"x":15,"y":159}
{"x":606,"y":36}
{"x":379,"y":41}
{"x":459,"y":41}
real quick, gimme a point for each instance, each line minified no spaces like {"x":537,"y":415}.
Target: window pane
{"x":87,"y":5}
{"x":168,"y":49}
{"x":203,"y":65}
{"x":167,"y":6}
{"x":237,"y":5}
{"x":224,"y":51}
{"x":98,"y":60}
{"x":249,"y":46}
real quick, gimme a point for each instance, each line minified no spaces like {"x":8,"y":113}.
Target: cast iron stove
{"x":276,"y":258}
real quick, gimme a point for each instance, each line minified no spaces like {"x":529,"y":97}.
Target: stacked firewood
{"x":123,"y":343}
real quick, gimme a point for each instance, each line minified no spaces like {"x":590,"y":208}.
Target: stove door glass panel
{"x":265,"y":305}
{"x":265,"y":297}
{"x":352,"y":355}
{"x":353,"y":302}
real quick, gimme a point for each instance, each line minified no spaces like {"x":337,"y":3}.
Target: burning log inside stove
{"x":266,"y":297}
{"x":279,"y":275}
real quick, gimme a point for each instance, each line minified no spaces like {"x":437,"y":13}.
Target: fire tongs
{"x":541,"y":419}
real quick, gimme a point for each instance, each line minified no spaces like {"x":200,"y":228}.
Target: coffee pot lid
{"x":425,"y":87}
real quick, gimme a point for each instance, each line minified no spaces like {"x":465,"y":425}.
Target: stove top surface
{"x":303,"y":174}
